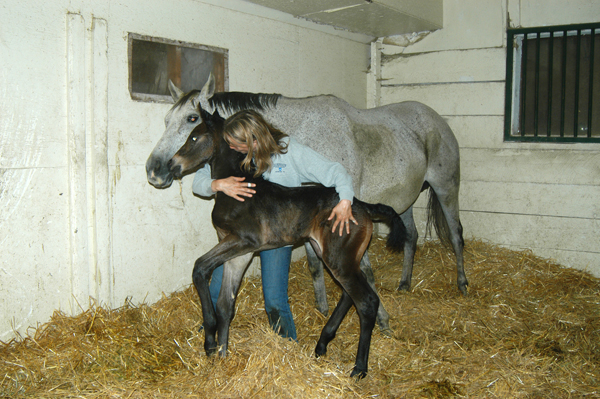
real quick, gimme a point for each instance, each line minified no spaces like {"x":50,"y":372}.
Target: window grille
{"x":553,"y":84}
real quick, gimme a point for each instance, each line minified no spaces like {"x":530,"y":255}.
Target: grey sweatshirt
{"x":298,"y":165}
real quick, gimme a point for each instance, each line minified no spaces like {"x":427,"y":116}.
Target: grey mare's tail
{"x":384,"y":213}
{"x":437,"y":219}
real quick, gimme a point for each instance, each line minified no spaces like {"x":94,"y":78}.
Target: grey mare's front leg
{"x":233,"y":272}
{"x":316,"y":271}
{"x":383,"y":318}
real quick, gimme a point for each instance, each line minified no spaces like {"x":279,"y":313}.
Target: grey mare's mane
{"x":232,"y":102}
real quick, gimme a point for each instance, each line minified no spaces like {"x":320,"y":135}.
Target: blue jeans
{"x":275,"y":270}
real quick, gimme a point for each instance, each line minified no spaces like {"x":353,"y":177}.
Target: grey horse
{"x":393,"y":153}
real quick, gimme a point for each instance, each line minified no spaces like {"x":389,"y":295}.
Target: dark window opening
{"x":155,"y":61}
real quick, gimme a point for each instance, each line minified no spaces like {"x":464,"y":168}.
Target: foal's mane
{"x":236,"y":101}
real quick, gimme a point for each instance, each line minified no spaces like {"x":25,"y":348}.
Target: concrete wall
{"x":543,"y":197}
{"x":77,"y":216}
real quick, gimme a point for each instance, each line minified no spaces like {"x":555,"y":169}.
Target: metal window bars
{"x":553,"y":84}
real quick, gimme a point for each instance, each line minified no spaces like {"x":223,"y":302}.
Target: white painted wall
{"x":77,"y":216}
{"x":542,"y":197}
{"x":79,"y":220}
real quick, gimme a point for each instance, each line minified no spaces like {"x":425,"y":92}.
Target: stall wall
{"x":78,"y":220}
{"x":542,"y":197}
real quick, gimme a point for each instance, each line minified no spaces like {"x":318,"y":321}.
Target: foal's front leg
{"x":225,"y":250}
{"x":203,"y":269}
{"x":233,"y":273}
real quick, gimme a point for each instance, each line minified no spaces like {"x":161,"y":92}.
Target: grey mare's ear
{"x":176,"y":92}
{"x":209,"y":87}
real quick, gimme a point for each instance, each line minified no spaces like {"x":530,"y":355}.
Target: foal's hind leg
{"x":383,"y":319}
{"x":316,"y":271}
{"x":332,"y":325}
{"x":356,"y":290}
{"x":410,"y":247}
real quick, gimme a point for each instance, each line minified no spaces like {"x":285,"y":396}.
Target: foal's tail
{"x":387,"y":214}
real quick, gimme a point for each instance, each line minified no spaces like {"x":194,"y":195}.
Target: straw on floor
{"x":529,"y":328}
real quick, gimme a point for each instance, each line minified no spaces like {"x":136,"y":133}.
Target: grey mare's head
{"x":181,"y":119}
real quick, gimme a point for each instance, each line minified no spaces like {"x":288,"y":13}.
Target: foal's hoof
{"x":463,"y":288}
{"x":210,"y":352}
{"x":359,"y":374}
{"x":320,"y":350}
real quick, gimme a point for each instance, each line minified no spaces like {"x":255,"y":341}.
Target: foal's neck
{"x":227,"y":162}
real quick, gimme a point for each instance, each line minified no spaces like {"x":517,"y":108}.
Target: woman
{"x":279,"y":159}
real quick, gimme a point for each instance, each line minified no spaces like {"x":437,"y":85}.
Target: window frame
{"x":514,"y":86}
{"x":222,"y":81}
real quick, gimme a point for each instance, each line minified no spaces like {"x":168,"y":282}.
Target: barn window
{"x":553,"y":84}
{"x":154,"y":61}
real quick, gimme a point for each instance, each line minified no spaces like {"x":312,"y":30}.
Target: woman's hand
{"x":343,"y":214}
{"x":234,"y":187}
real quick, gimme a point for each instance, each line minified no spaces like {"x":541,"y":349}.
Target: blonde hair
{"x":247,"y":127}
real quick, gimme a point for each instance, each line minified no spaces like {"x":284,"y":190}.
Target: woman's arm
{"x":202,"y":182}
{"x":235,"y":187}
{"x":313,"y":167}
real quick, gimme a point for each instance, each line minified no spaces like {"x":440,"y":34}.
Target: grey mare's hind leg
{"x":410,"y":247}
{"x":316,"y":271}
{"x":449,"y":204}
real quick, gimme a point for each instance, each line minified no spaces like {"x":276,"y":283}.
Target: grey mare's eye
{"x":193,"y":118}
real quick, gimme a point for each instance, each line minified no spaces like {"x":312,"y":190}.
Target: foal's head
{"x":199,"y":146}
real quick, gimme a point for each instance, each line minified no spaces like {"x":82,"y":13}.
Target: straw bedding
{"x":529,"y":328}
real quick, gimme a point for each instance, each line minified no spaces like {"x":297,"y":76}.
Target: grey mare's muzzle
{"x":158,"y":173}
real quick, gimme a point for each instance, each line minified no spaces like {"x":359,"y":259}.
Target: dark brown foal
{"x":274,"y":217}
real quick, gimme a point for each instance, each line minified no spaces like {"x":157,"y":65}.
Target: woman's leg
{"x":215,"y":285}
{"x":275,"y":270}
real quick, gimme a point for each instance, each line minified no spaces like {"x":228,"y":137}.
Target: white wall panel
{"x":552,"y":167}
{"x":477,"y":131}
{"x":77,"y":216}
{"x":545,"y":236}
{"x":556,"y":200}
{"x":482,"y":98}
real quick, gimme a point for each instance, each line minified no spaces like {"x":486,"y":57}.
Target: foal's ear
{"x":205,"y":115}
{"x":209,"y":119}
